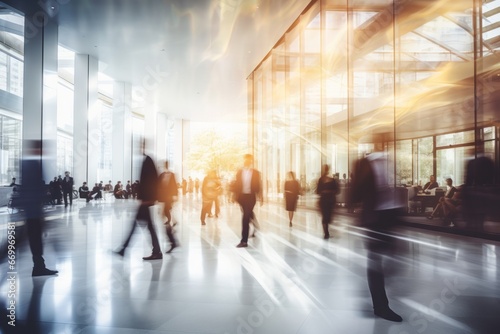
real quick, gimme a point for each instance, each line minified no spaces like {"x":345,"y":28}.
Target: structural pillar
{"x":86,"y":133}
{"x":40,"y":89}
{"x":122,"y":132}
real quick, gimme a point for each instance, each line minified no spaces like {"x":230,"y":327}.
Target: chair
{"x":414,"y":205}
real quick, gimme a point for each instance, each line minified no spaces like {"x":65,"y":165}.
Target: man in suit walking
{"x":247,"y":189}
{"x":67,"y":188}
{"x":380,"y":212}
{"x":147,"y":194}
{"x":167,"y":193}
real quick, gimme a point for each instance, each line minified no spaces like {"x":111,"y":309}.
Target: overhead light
{"x":52,"y":7}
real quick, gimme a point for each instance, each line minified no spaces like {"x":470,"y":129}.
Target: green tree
{"x":214,"y":150}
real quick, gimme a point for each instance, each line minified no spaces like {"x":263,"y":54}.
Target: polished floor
{"x":289,"y":280}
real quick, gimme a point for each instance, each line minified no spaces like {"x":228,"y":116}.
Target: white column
{"x":169,"y":142}
{"x":122,"y":132}
{"x":40,"y":89}
{"x":186,"y":134}
{"x":86,"y":134}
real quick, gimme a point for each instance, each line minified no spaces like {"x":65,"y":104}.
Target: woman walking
{"x":292,"y":190}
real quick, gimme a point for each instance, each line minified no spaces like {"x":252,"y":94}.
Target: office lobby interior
{"x":296,"y":84}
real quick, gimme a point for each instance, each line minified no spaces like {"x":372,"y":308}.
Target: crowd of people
{"x":369,"y":187}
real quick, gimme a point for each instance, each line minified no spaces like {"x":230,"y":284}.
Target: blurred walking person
{"x":31,"y":201}
{"x":247,"y":189}
{"x":292,"y":191}
{"x":167,"y":194}
{"x":327,"y":189}
{"x":210,"y":190}
{"x":146,"y":193}
{"x":380,"y":211}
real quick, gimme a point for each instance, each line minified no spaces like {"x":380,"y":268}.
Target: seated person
{"x":13,"y":183}
{"x":95,"y":191}
{"x":128,"y":189}
{"x":118,"y":190}
{"x":83,"y":190}
{"x":450,"y":191}
{"x":451,"y":207}
{"x":431,"y":184}
{"x":108,"y":187}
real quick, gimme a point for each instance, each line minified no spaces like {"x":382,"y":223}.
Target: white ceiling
{"x":200,"y":51}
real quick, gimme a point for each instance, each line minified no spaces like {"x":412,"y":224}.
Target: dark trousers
{"x":167,"y":207}
{"x":34,"y":226}
{"x":380,"y":244}
{"x":67,"y":194}
{"x":143,"y":214}
{"x":247,"y":203}
{"x":206,"y":208}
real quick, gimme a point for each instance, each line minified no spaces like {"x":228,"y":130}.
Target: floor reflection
{"x":288,"y":280}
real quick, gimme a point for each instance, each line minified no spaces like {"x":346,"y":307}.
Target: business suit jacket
{"x":148,"y":182}
{"x":255,"y":188}
{"x":67,"y":185}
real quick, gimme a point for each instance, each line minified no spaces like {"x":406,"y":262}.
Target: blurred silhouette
{"x":55,"y":191}
{"x":431,"y":184}
{"x":13,"y":182}
{"x":370,"y":187}
{"x":83,"y":191}
{"x":247,"y":189}
{"x":292,"y":191}
{"x":147,"y":194}
{"x":31,"y":202}
{"x":327,"y":189}
{"x":210,"y":189}
{"x":167,"y":193}
{"x":118,"y":191}
{"x":96,"y":193}
{"x":441,"y":207}
{"x":481,"y":196}
{"x":67,"y":188}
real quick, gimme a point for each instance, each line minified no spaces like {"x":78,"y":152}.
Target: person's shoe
{"x":388,"y":314}
{"x":171,"y":248}
{"x":326,"y":237}
{"x":241,"y":245}
{"x":43,"y":272}
{"x":430,"y":217}
{"x":158,"y":256}
{"x":203,"y":223}
{"x":121,"y":252}
{"x":291,"y":224}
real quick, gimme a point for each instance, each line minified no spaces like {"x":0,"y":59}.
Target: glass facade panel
{"x":104,"y":170}
{"x":10,"y":149}
{"x":397,"y":76}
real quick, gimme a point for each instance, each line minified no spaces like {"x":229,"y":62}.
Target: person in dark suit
{"x":431,"y":184}
{"x":13,"y":183}
{"x":440,"y":206}
{"x":96,"y":190}
{"x":167,"y":193}
{"x":481,"y":193}
{"x":31,"y":201}
{"x":370,"y":187}
{"x":327,"y":190}
{"x":67,"y":188}
{"x":247,"y":189}
{"x":83,"y":191}
{"x":292,"y":191}
{"x":210,"y":189}
{"x":147,"y":194}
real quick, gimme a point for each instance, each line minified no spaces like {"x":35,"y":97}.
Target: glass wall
{"x":11,"y":92}
{"x":416,"y":79}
